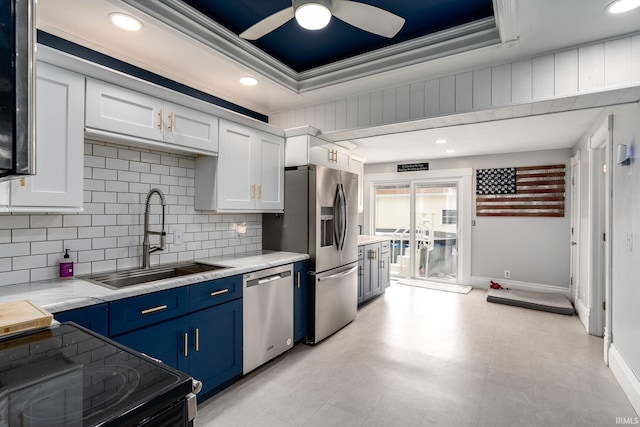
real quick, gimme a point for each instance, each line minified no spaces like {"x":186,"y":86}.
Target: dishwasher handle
{"x":338,"y":275}
{"x":268,"y":279}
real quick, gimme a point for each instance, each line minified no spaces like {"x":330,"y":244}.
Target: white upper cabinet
{"x":141,"y":119}
{"x":58,"y":183}
{"x":247,"y":175}
{"x":308,"y":149}
{"x":303,"y":149}
{"x":269,"y":159}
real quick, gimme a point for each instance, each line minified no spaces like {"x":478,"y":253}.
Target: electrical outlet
{"x":507,"y":274}
{"x":178,"y":236}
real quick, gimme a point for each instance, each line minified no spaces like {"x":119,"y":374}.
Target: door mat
{"x":550,"y":302}
{"x":436,"y":286}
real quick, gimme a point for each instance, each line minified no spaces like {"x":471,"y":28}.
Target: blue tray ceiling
{"x":303,"y":50}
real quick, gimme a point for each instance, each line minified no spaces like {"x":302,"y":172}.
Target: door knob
{"x":573,"y":243}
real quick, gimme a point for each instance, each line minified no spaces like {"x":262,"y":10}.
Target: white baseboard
{"x":625,"y":376}
{"x":583,"y":313}
{"x":483,"y":283}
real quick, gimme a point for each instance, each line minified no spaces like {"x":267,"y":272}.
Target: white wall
{"x":625,"y":262}
{"x":108,"y":234}
{"x":611,"y":64}
{"x":535,"y":250}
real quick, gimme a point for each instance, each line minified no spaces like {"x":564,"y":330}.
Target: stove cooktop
{"x":68,"y":375}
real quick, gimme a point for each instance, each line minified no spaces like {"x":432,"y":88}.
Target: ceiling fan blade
{"x":268,"y":24}
{"x":369,"y":18}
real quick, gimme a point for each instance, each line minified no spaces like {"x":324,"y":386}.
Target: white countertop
{"x":56,"y":295}
{"x":365,"y":240}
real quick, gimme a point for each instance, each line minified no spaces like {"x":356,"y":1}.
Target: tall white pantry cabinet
{"x":59,"y":112}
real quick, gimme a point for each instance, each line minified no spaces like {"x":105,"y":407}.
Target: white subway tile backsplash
{"x":62,"y":233}
{"x":38,"y":221}
{"x":45,"y":273}
{"x":51,"y":246}
{"x":103,"y":220}
{"x":117,"y":186}
{"x":27,"y":262}
{"x":117,"y":164}
{"x":107,"y":235}
{"x":14,"y":221}
{"x":105,"y":243}
{"x":94,"y":162}
{"x":140,"y":167}
{"x":128,"y":176}
{"x":152,"y":158}
{"x":29,"y":234}
{"x":105,"y":151}
{"x":91,"y":255}
{"x":126,"y":154}
{"x":104,"y":197}
{"x":167,"y":160}
{"x":104,"y":174}
{"x":11,"y":277}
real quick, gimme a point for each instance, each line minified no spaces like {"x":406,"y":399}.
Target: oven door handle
{"x":338,"y":275}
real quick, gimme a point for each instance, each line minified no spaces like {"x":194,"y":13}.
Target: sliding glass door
{"x":421,"y":219}
{"x":436,"y":219}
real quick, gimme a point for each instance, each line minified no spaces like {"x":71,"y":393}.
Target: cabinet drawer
{"x":214,"y":292}
{"x":385,"y":246}
{"x":94,"y":317}
{"x":133,"y":313}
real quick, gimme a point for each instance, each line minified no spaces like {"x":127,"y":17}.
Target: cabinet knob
{"x":160,"y":119}
{"x":186,"y":344}
{"x":197,"y":339}
{"x":253,"y":191}
{"x":259,"y":192}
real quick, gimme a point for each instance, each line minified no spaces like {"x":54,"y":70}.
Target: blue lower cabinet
{"x":215,"y":354}
{"x":300,"y":300}
{"x":94,"y":317}
{"x":206,"y":344}
{"x":164,"y":341}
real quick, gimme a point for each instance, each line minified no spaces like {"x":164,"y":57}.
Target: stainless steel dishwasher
{"x":267,"y":315}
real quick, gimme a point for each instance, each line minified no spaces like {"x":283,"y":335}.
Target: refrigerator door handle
{"x":338,"y":275}
{"x":337,"y":218}
{"x":343,"y":216}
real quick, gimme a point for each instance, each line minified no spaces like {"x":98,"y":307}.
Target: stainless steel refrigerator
{"x":320,"y":218}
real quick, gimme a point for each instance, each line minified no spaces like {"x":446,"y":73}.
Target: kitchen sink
{"x":122,"y":279}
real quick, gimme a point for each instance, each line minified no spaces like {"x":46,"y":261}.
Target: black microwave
{"x":17,"y":80}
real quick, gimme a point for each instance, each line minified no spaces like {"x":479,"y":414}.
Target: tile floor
{"x":419,"y":357}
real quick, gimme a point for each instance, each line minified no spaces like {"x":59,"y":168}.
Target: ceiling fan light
{"x":313,"y":16}
{"x":622,"y":6}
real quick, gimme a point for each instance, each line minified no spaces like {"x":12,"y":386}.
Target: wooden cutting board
{"x":22,"y":315}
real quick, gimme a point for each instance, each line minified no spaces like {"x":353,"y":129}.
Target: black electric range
{"x":67,"y":375}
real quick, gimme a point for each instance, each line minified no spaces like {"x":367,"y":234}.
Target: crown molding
{"x":188,"y":21}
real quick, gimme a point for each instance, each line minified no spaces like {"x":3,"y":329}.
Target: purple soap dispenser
{"x":66,"y":266}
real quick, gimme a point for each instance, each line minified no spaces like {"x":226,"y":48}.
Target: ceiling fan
{"x":315,"y":14}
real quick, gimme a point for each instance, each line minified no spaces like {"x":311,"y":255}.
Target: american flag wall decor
{"x":525,"y":191}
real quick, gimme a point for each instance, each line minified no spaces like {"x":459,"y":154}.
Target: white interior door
{"x":600,"y":230}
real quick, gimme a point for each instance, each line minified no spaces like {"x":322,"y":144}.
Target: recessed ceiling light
{"x":450,"y":151}
{"x":126,"y":22}
{"x":313,"y":15}
{"x":441,"y":141}
{"x":248,"y":81}
{"x":622,"y":6}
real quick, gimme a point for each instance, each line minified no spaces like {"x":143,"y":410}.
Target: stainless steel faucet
{"x":147,"y":249}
